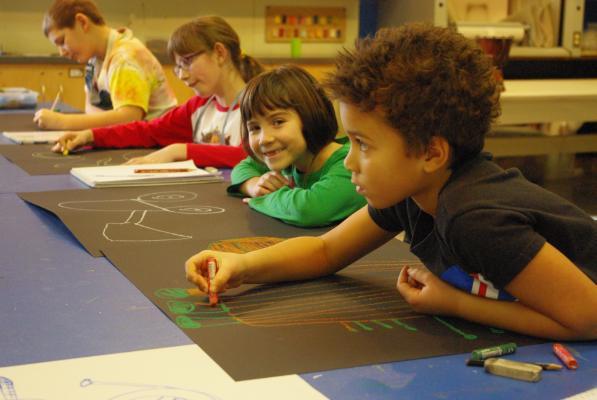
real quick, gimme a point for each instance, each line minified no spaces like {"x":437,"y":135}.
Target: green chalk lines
{"x":467,"y":336}
{"x":189,"y":317}
{"x":193,"y":315}
{"x":369,"y":326}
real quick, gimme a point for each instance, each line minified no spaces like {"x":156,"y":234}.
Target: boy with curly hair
{"x":416,"y":102}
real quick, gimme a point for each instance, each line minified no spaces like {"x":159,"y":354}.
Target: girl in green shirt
{"x":295,"y":169}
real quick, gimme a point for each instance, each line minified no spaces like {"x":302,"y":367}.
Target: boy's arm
{"x":555,"y":299}
{"x":554,"y":287}
{"x":295,"y":259}
{"x":130,"y":93}
{"x":312,"y":257}
{"x":54,"y":120}
{"x":89,"y":108}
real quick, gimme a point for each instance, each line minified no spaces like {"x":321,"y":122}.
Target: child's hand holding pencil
{"x":50,"y":118}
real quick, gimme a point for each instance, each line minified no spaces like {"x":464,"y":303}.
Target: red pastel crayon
{"x":212,"y":268}
{"x":565,"y":356}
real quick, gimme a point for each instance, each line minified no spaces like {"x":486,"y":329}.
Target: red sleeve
{"x":215,"y":155}
{"x":173,"y":127}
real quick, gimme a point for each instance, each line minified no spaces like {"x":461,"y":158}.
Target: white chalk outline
{"x":137,"y":220}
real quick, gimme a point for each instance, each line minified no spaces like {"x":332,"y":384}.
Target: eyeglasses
{"x":186,"y":61}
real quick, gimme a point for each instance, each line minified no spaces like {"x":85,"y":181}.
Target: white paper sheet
{"x":145,"y":174}
{"x":173,"y":373}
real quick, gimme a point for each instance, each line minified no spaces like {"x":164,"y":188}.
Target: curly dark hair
{"x":290,"y":87}
{"x":427,"y":81}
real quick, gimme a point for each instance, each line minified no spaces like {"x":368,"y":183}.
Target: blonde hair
{"x":203,"y":33}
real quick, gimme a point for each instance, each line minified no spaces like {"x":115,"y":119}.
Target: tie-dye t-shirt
{"x":128,"y":76}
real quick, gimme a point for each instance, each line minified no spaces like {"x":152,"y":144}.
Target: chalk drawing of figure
{"x":133,"y":229}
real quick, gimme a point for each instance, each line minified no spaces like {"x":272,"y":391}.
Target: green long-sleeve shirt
{"x":321,"y":198}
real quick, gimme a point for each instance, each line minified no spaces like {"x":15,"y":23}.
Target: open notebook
{"x":34,"y":137}
{"x":145,"y":174}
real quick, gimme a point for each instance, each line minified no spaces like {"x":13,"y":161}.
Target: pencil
{"x":56,"y":99}
{"x":548,"y":366}
{"x":162,"y":170}
{"x":545,"y":366}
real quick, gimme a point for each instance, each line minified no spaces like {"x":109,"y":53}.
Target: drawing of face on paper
{"x":133,"y":229}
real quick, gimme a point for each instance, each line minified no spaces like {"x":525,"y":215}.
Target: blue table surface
{"x":58,"y":302}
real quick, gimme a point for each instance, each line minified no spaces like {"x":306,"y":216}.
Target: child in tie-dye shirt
{"x":129,"y":76}
{"x":124,"y":82}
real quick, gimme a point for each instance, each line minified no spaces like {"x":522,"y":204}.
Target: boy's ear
{"x":83,"y":20}
{"x":437,"y":155}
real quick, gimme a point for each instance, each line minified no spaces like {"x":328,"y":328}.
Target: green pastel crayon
{"x":482,"y":354}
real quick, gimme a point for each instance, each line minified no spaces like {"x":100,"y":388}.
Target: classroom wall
{"x":20,"y":22}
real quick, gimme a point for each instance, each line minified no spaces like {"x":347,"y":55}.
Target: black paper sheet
{"x":39,"y":159}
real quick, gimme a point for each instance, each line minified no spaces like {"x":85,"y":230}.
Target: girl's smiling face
{"x":276,"y":138}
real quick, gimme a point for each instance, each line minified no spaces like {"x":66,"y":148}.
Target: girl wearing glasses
{"x":206,"y":128}
{"x":295,"y":171}
{"x":123,"y":81}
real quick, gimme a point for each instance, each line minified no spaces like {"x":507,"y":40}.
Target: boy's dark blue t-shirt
{"x":492,"y":222}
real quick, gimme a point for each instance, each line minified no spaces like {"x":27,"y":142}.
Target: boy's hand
{"x":48,"y":119}
{"x":265,"y":184}
{"x":72,"y":140}
{"x":231,"y":273}
{"x":425,"y":292}
{"x":171,"y":153}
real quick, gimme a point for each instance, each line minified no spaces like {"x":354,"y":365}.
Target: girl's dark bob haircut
{"x":290,"y":87}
